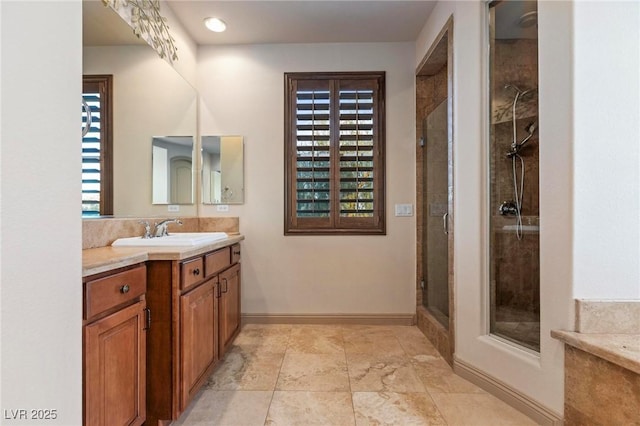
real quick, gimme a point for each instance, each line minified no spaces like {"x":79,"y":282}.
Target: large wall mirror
{"x":150,"y":98}
{"x":222,"y":170}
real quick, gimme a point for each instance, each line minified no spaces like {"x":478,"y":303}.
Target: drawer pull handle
{"x":124,"y":289}
{"x":147,"y":312}
{"x":236,"y":252}
{"x":196,"y":271}
{"x":226,"y":285}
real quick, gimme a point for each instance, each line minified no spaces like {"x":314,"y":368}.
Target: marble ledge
{"x":620,"y":349}
{"x":103,"y":259}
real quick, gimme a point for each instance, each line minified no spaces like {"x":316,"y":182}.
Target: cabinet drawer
{"x":113,"y":290}
{"x":235,"y":253}
{"x":217,"y":261}
{"x":191,"y":272}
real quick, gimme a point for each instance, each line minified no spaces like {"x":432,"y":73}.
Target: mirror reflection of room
{"x":149,"y":98}
{"x":222,"y":170}
{"x":172,"y":169}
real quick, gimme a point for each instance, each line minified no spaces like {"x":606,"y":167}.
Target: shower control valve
{"x":508,"y":208}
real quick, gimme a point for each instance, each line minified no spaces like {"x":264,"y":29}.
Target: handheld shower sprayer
{"x":517,"y":146}
{"x":531,"y":130}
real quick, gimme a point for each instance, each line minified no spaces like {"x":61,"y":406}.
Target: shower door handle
{"x":445,"y":223}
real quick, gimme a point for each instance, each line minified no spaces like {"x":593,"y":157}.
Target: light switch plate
{"x":404,"y":210}
{"x":222,"y":207}
{"x":173,"y":208}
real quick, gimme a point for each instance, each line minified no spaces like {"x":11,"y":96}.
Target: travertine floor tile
{"x":388,"y":408}
{"x":371,"y":340}
{"x":438,"y":376}
{"x":264,"y":338}
{"x":242,"y":370}
{"x":316,"y":340}
{"x":340,"y":375}
{"x":227,"y":408}
{"x":310,"y":408}
{"x":461,"y":409}
{"x":314,"y":372}
{"x":413,"y":341}
{"x":380,"y":372}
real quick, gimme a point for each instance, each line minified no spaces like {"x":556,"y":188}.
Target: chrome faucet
{"x":161,"y":228}
{"x":147,"y":229}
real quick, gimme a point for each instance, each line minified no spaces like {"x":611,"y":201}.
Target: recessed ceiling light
{"x":216,"y":25}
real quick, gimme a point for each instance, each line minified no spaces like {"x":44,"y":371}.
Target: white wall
{"x":150,"y":99}
{"x":607,"y":150}
{"x":540,"y":378}
{"x":40,"y":232}
{"x":186,"y":65}
{"x":242,"y":89}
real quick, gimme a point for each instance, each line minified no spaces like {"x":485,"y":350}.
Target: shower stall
{"x":434,"y":198}
{"x":514,"y":243}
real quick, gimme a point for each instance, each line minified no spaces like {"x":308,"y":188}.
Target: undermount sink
{"x":173,"y":239}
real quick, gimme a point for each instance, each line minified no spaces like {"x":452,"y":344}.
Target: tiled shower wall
{"x":515,"y":266}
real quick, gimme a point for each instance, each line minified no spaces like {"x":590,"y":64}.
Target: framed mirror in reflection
{"x":222,"y":169}
{"x":172,"y":169}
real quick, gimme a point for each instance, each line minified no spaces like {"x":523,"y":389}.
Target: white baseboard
{"x":361,"y":319}
{"x":517,"y":400}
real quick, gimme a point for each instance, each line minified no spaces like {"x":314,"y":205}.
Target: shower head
{"x":532,"y":127}
{"x":514,"y":87}
{"x":528,"y":19}
{"x":520,"y":94}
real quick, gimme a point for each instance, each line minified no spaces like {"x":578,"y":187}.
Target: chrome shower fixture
{"x":519,"y":92}
{"x":517,"y":146}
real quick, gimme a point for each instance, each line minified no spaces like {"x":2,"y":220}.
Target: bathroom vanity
{"x":156,"y":322}
{"x":115,"y":322}
{"x":196,"y":314}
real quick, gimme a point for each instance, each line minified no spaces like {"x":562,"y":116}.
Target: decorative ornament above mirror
{"x":147,"y":23}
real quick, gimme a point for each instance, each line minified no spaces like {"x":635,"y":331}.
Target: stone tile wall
{"x":101,"y":232}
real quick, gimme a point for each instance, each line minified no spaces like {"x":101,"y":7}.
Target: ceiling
{"x":266,"y":21}
{"x":101,"y":26}
{"x":304,"y":21}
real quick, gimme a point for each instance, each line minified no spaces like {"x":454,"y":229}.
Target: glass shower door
{"x":435,"y":227}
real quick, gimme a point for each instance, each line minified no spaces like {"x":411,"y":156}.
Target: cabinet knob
{"x":196,"y":271}
{"x":124,"y":289}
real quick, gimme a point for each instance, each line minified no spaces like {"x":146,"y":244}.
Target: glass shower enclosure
{"x":514,"y":232}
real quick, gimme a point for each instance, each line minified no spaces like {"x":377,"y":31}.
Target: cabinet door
{"x":115,"y":351}
{"x":229,"y":306}
{"x":198,"y":312}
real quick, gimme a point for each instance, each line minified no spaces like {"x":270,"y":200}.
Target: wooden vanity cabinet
{"x":198,"y":327}
{"x":114,"y":344}
{"x":184,"y":345}
{"x":229,"y":306}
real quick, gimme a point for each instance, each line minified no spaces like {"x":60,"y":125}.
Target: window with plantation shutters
{"x":334,"y":153}
{"x":97,"y":174}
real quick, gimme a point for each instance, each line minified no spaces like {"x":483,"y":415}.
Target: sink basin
{"x":173,"y":239}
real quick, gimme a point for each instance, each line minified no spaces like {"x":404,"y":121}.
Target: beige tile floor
{"x":340,"y":375}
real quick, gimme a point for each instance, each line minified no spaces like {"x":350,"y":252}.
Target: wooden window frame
{"x":104,"y":85}
{"x":335,"y":223}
